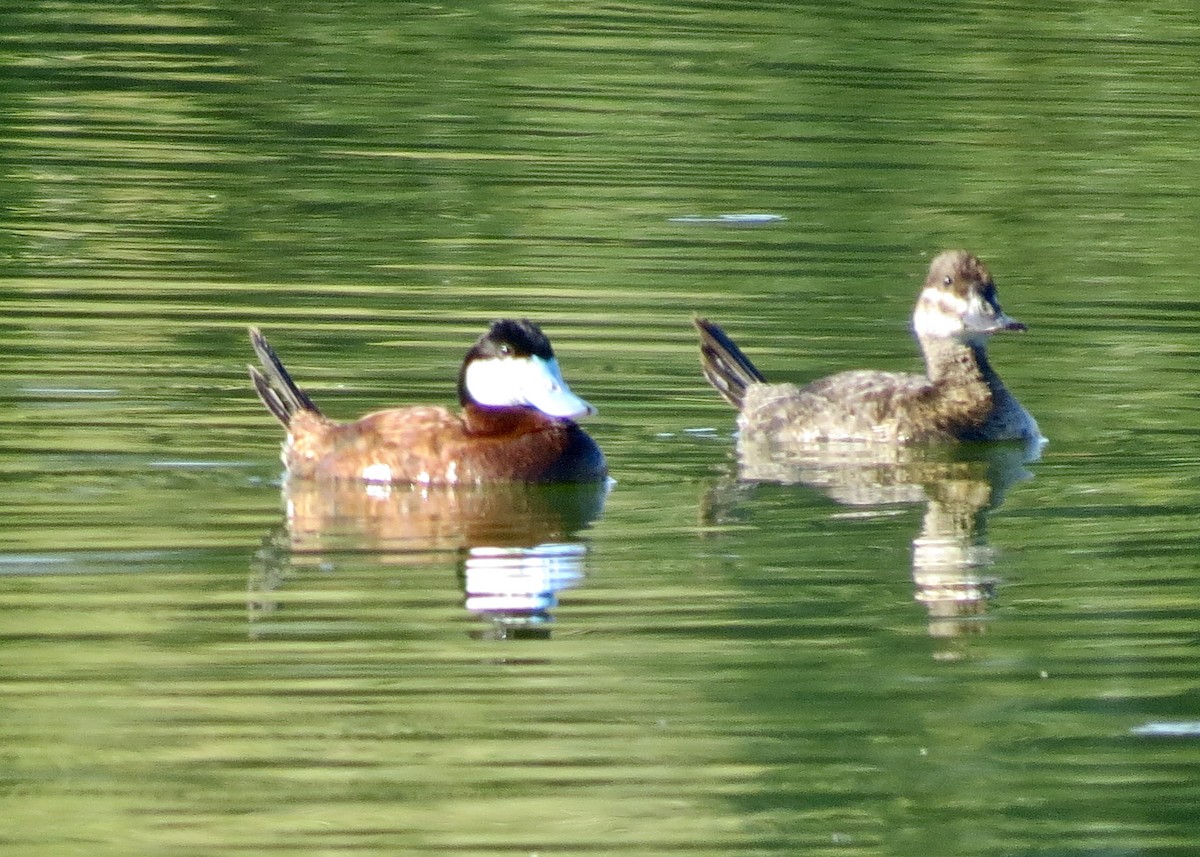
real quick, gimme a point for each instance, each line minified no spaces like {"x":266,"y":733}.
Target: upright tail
{"x":723,"y":363}
{"x":274,"y":385}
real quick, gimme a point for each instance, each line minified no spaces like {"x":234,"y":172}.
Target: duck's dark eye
{"x":947,"y":280}
{"x":505,"y":349}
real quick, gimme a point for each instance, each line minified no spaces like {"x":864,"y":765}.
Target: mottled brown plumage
{"x":960,"y":398}
{"x":431,"y":445}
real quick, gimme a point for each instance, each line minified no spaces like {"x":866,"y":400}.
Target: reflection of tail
{"x":723,"y":363}
{"x":274,"y":385}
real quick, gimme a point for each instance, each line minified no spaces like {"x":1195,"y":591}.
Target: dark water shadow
{"x":515,"y":546}
{"x":959,"y":487}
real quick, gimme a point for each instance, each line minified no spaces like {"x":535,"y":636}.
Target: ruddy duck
{"x":517,"y":422}
{"x":959,"y":398}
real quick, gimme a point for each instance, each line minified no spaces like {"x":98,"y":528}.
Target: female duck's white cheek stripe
{"x":939,"y":313}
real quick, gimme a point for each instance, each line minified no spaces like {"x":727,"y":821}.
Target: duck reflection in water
{"x":516,"y":546}
{"x":959,"y":487}
{"x":869,"y":438}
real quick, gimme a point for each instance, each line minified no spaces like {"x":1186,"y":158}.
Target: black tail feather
{"x":274,"y":385}
{"x":724,"y":365}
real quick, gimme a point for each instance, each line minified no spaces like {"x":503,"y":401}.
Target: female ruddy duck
{"x":517,"y":422}
{"x":959,"y":398}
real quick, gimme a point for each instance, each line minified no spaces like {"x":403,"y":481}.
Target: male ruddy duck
{"x":517,"y":422}
{"x":959,"y":398}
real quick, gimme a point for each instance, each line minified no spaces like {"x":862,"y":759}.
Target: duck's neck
{"x":972,"y":401}
{"x":485,"y":420}
{"x":951,"y":363}
{"x":966,"y":390}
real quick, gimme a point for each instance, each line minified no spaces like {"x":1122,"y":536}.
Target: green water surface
{"x":990,"y":658}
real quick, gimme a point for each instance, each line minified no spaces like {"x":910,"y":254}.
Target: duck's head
{"x":959,"y":300}
{"x":513,"y":365}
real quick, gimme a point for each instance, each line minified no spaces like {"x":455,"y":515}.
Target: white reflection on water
{"x":520,"y":586}
{"x":747,"y":219}
{"x":1168,"y":729}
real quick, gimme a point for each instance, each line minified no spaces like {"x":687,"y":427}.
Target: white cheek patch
{"x":939,"y":314}
{"x":494,"y":382}
{"x":524,"y":381}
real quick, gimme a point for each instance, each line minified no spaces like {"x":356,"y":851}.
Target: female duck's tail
{"x":274,"y":385}
{"x":723,"y":363}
